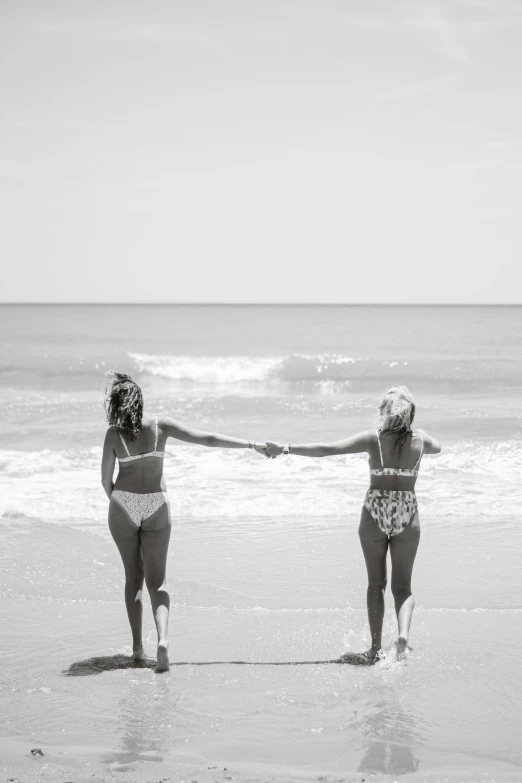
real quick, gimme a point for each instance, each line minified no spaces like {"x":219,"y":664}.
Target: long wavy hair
{"x":396,"y":414}
{"x":123,"y":404}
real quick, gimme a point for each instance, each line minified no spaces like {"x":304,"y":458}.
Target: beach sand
{"x":265,"y":570}
{"x":245,"y":691}
{"x":78,"y":764}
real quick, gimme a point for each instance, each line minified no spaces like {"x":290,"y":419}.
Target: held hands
{"x":268,"y":448}
{"x":273,"y":449}
{"x":260,"y":447}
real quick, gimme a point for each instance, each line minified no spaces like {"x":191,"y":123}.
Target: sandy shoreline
{"x":96,"y":718}
{"x":265,"y":564}
{"x":77,"y":763}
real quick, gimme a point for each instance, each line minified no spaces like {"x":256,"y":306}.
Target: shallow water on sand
{"x":454,"y":703}
{"x":265,"y":572}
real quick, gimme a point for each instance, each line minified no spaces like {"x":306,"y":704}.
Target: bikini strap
{"x":380,"y":450}
{"x":421,"y":452}
{"x":124,"y":444}
{"x":156,"y":441}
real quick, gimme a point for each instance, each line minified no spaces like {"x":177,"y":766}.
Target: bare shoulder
{"x":431,"y":444}
{"x":367,"y":438}
{"x":111,"y":437}
{"x":360,"y":442}
{"x":170,"y":427}
{"x":168,"y":421}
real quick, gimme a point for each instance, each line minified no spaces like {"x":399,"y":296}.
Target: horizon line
{"x":263,"y":304}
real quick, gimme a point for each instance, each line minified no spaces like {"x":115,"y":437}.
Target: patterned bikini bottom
{"x":392,"y":509}
{"x":139,"y":507}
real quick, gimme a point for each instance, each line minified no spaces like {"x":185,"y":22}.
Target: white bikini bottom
{"x":139,"y":507}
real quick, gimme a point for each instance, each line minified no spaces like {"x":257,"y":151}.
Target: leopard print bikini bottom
{"x":392,"y":509}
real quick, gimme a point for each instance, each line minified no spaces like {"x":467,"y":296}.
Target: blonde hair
{"x":396,"y":414}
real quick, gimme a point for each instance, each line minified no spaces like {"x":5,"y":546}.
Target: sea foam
{"x":245,"y":369}
{"x":64,"y":486}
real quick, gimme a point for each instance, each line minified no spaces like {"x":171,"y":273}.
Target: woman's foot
{"x":138,"y":653}
{"x":402,"y":648}
{"x":373,"y":655}
{"x":162,"y":658}
{"x":367,"y":658}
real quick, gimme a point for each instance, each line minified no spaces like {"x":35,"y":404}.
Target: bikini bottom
{"x":392,"y":509}
{"x":139,"y":507}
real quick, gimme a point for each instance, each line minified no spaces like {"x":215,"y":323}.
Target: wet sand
{"x":77,"y":764}
{"x":247,"y":689}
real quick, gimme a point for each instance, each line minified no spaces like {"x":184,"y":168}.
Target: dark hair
{"x":124,"y":404}
{"x":396,"y":414}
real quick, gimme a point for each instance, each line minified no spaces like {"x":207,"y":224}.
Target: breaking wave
{"x":246,"y":369}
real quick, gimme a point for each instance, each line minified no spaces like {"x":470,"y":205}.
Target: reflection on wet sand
{"x":149,"y":717}
{"x":392,"y":739}
{"x":146,"y":715}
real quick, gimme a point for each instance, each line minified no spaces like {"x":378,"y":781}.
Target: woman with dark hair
{"x":389,"y":517}
{"x":139,"y":514}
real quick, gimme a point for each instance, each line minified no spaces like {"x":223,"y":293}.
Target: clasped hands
{"x":269,"y":448}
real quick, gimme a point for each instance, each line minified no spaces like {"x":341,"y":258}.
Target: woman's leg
{"x":403,"y":548}
{"x":155,"y":536}
{"x":375,"y":546}
{"x":127,"y":538}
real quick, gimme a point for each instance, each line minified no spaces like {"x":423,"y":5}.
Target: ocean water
{"x":264,"y":566}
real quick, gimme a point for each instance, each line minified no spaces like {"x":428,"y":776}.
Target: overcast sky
{"x":228,"y":151}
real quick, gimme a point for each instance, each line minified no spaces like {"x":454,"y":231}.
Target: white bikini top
{"x":382,"y":471}
{"x":129,"y":458}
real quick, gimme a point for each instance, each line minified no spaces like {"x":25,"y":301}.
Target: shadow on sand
{"x":109,"y":663}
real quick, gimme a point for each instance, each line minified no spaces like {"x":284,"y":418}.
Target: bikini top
{"x":129,"y":458}
{"x":382,"y":471}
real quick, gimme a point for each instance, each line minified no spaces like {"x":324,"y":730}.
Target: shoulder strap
{"x":156,"y":441}
{"x":421,"y":453}
{"x":124,"y":444}
{"x":380,"y":450}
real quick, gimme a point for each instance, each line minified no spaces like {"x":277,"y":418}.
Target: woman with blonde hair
{"x":390,"y":516}
{"x":139,"y":514}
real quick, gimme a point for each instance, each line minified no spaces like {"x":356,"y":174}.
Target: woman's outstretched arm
{"x":352,"y":445}
{"x":174,"y":429}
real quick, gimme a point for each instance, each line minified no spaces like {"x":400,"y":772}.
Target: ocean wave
{"x":501,"y":459}
{"x":468,"y":480}
{"x":329,"y":371}
{"x":247,"y":369}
